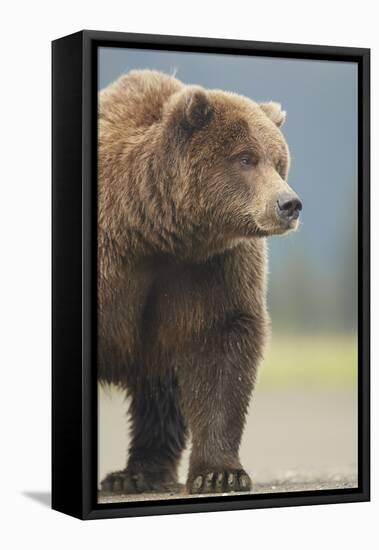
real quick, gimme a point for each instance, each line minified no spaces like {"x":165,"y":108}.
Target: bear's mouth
{"x":289,"y":225}
{"x":285,"y":226}
{"x":279,"y":226}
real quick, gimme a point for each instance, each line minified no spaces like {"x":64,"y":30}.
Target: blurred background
{"x":302,"y":427}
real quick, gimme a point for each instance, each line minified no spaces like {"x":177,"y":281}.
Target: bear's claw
{"x":219,"y":482}
{"x":125,"y":482}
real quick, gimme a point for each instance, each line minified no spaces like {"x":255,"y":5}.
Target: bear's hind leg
{"x":158,"y":438}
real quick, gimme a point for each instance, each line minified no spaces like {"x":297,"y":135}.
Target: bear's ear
{"x":196,"y":109}
{"x":274,"y":112}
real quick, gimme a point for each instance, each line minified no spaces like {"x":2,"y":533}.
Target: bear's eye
{"x":280,"y":168}
{"x":246,"y":160}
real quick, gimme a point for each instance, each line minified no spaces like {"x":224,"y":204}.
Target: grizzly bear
{"x":190,"y":183}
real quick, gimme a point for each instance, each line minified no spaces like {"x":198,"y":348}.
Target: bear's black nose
{"x":289,"y":206}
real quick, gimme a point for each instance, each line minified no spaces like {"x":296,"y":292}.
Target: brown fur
{"x":182,"y":269}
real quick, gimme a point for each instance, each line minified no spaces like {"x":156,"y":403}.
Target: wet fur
{"x":182,"y":274}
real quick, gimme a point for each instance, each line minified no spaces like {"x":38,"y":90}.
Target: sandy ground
{"x":295,"y":440}
{"x":296,"y":482}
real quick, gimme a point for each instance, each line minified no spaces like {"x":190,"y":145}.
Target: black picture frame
{"x":74,"y":387}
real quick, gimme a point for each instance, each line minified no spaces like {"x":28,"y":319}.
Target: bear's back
{"x":136,"y":100}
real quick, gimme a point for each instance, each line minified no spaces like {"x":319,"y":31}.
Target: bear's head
{"x":229,"y":163}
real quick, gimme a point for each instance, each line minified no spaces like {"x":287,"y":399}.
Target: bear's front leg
{"x":216,"y":388}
